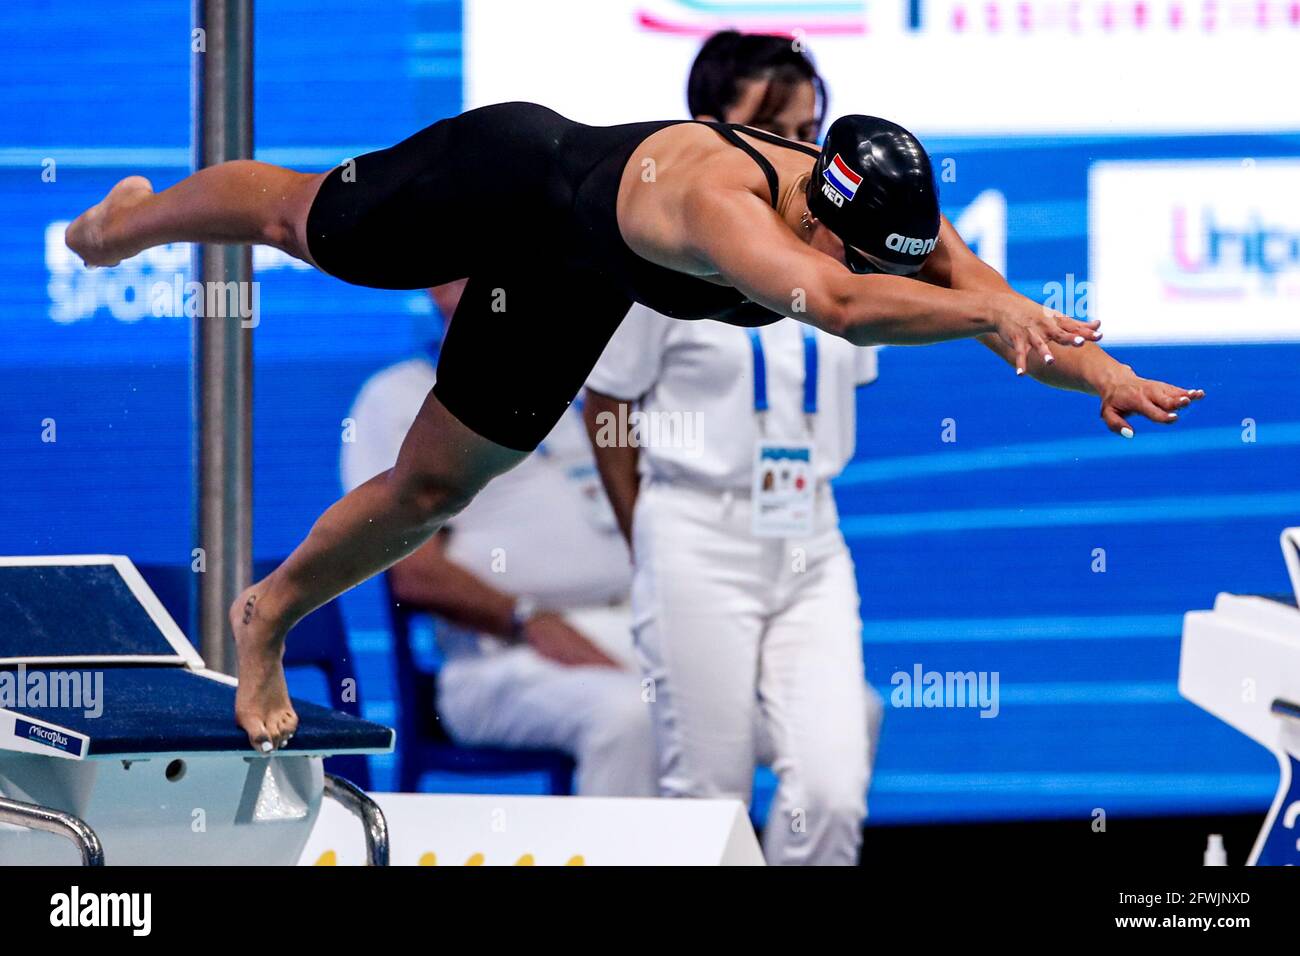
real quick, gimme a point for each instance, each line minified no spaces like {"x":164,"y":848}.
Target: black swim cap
{"x":873,"y":187}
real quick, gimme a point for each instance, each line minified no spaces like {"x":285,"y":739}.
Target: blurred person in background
{"x":530,"y":588}
{"x":747,"y":626}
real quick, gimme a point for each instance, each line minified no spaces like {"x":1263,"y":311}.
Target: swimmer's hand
{"x":1129,"y":394}
{"x":1025,"y":327}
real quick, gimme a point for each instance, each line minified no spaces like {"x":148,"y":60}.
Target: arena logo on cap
{"x":909,"y":246}
{"x":841,"y":180}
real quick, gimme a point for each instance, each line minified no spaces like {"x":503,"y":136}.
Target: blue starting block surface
{"x":152,"y":711}
{"x":84,"y":609}
{"x":91,"y":665}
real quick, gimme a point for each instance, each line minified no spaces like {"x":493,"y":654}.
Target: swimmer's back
{"x":506,"y":181}
{"x":524,"y":203}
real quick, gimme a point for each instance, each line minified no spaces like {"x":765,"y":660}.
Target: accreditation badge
{"x":784,"y":490}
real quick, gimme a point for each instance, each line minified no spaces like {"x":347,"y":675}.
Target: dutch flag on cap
{"x":844,"y":180}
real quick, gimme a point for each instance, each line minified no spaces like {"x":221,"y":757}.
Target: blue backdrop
{"x":972,"y":555}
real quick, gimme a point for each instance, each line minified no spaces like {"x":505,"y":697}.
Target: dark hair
{"x":729,"y":58}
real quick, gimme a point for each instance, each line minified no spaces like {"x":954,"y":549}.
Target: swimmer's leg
{"x":237,"y":202}
{"x":506,"y":371}
{"x":441,"y":467}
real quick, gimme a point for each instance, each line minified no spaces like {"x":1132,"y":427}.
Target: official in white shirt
{"x":530,"y":583}
{"x":744,"y":599}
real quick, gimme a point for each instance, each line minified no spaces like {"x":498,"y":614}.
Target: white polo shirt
{"x":544,"y":529}
{"x":699,"y":378}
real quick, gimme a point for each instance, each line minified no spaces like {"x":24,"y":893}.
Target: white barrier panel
{"x":959,"y":68}
{"x":1202,"y":250}
{"x":1239,"y":662}
{"x":453,"y":830}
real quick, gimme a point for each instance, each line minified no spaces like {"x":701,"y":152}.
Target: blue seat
{"x":423,"y":744}
{"x":318,"y":642}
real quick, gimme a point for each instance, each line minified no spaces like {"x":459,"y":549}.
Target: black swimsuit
{"x":522,"y":202}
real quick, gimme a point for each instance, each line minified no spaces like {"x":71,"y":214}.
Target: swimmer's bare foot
{"x":262,"y":705}
{"x":95,"y":235}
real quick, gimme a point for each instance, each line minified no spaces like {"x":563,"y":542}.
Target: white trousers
{"x":754,"y":650}
{"x":516,"y":698}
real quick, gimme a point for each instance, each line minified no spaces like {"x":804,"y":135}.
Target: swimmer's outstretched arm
{"x":1085,"y":369}
{"x":739,"y":236}
{"x":957,"y":296}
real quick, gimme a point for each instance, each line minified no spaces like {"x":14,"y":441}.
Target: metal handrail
{"x":35,"y":817}
{"x":356,"y":802}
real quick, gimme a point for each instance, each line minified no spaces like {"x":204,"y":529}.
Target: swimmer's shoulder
{"x":692,"y":155}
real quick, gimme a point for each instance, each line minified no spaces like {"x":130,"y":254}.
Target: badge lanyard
{"x":783,"y":488}
{"x":809,"y":375}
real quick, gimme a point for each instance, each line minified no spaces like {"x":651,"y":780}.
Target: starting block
{"x":1241,"y":662}
{"x":114,"y":736}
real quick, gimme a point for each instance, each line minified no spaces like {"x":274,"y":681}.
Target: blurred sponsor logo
{"x":1213,"y":253}
{"x":993,"y":18}
{"x":1181,"y":17}
{"x":794,"y":18}
{"x":1206,"y":251}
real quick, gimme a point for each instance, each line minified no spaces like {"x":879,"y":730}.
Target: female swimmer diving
{"x":694,"y":220}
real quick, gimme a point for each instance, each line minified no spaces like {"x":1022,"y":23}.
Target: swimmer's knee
{"x":282,"y":223}
{"x":282,"y":229}
{"x":429,"y":497}
{"x":279,"y":234}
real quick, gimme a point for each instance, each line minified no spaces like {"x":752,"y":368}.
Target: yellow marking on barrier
{"x":429,"y":858}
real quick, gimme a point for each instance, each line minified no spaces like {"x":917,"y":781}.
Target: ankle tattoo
{"x":248,"y":608}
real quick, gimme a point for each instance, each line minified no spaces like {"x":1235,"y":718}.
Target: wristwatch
{"x":524,"y":610}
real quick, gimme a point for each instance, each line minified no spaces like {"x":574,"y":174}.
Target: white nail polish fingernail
{"x":266,"y":746}
{"x":1020,"y":371}
{"x":1126,"y":432}
{"x":1078,"y":340}
{"x":1049,"y":358}
{"x":1173,"y":416}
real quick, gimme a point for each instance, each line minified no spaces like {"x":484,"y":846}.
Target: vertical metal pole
{"x":222,"y":371}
